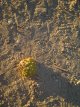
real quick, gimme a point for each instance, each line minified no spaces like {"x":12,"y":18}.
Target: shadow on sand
{"x":55,"y":84}
{"x":51,"y":84}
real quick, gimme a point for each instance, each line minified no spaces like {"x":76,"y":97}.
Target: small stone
{"x":78,"y":83}
{"x":9,"y":21}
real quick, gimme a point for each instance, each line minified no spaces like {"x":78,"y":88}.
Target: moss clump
{"x":27,"y":67}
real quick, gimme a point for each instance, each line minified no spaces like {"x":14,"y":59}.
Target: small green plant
{"x":27,"y":67}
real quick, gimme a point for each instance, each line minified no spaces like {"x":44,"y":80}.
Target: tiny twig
{"x":63,"y":70}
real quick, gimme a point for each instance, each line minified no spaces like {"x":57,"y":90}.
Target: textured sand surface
{"x":53,"y":40}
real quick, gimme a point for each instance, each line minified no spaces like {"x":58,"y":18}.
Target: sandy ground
{"x":55,"y":45}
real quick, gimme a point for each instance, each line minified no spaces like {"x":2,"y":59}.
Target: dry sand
{"x":54,"y":44}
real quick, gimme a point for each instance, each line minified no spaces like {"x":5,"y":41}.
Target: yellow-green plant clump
{"x":27,"y":67}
